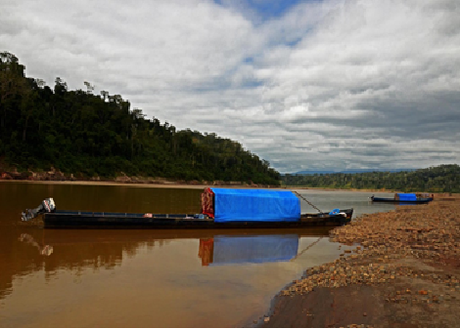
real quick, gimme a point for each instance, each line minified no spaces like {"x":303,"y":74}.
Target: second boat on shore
{"x":405,"y":198}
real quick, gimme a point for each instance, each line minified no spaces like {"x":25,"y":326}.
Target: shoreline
{"x":403,"y":272}
{"x":181,"y":185}
{"x":108,"y":183}
{"x":163,"y":184}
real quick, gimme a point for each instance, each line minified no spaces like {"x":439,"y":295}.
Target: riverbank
{"x":57,"y":177}
{"x":162,"y":183}
{"x":404,"y":272}
{"x":175,"y":184}
{"x":110,"y":183}
{"x":138,"y":183}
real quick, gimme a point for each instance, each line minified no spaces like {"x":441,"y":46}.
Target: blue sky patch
{"x":265,"y":9}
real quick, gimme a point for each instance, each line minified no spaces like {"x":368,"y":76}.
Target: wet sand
{"x":403,"y":272}
{"x":163,"y":184}
{"x":114,"y":183}
{"x":175,"y":185}
{"x":149,"y":183}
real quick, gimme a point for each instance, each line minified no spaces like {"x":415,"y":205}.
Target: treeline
{"x":89,"y":135}
{"x":444,"y":178}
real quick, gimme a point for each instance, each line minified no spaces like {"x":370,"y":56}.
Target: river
{"x":149,"y":278}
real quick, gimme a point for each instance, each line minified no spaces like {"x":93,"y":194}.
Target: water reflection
{"x":225,"y":249}
{"x":215,"y":250}
{"x":106,"y":248}
{"x":73,"y":261}
{"x":44,"y":250}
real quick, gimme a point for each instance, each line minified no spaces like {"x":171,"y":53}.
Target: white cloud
{"x":339,"y":84}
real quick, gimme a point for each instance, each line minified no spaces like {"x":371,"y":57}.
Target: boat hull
{"x":393,"y":200}
{"x":67,"y":219}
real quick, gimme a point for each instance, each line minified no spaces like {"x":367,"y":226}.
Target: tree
{"x":85,"y":134}
{"x":12,"y":88}
{"x":89,"y":87}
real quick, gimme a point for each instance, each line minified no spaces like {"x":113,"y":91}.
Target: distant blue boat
{"x":405,"y":198}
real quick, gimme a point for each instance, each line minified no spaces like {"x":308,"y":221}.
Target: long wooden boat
{"x":220,"y":208}
{"x":405,"y":198}
{"x":79,"y":219}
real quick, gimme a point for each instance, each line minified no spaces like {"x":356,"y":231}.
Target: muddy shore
{"x":404,"y":271}
{"x":176,"y":184}
{"x":57,"y":177}
{"x":109,"y":183}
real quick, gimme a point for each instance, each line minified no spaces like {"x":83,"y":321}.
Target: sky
{"x":305,"y":85}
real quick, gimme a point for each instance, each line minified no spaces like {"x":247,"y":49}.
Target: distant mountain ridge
{"x":439,"y":179}
{"x":348,"y":171}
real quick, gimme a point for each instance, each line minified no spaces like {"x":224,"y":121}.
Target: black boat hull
{"x":66,"y":219}
{"x":393,"y":200}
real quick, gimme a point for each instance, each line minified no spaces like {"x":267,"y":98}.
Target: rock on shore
{"x":403,"y":272}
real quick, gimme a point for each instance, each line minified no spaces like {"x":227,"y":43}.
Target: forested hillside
{"x":89,"y":135}
{"x":444,"y":178}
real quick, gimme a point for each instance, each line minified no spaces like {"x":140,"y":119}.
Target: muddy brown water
{"x":149,"y":278}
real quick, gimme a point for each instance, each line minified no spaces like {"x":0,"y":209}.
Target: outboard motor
{"x":47,"y":205}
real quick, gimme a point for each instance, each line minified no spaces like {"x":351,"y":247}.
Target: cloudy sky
{"x":303,"y":84}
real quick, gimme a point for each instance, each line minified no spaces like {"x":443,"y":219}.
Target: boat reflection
{"x":73,"y":251}
{"x":227,"y":249}
{"x":44,"y":250}
{"x":73,"y":248}
{"x":223,"y":249}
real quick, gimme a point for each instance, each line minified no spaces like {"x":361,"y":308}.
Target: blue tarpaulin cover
{"x":255,"y":205}
{"x":407,"y":197}
{"x":254,"y":249}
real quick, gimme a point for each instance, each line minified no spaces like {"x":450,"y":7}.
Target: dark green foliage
{"x":79,"y":133}
{"x":444,"y":178}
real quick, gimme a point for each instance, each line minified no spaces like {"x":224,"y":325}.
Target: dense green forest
{"x":444,"y":178}
{"x":90,"y":135}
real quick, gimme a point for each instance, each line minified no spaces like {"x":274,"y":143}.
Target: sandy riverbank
{"x":57,"y":177}
{"x":404,"y":272}
{"x":178,"y":185}
{"x":162,"y":184}
{"x":165,"y":184}
{"x":110,"y":183}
